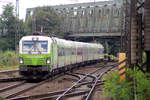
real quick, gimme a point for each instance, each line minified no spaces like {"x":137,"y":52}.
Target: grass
{"x":8,"y":68}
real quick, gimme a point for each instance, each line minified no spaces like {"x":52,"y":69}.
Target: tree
{"x":44,"y":17}
{"x":8,"y":19}
{"x":8,"y":26}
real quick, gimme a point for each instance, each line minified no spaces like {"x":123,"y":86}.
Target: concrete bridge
{"x":99,"y":19}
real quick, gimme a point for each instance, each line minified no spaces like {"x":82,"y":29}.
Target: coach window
{"x":59,"y":51}
{"x":81,"y":51}
{"x":75,"y":52}
{"x":72,"y":53}
{"x":100,"y":51}
{"x":78,"y":51}
{"x":89,"y":50}
{"x":85,"y":51}
{"x":68,"y":51}
{"x":92,"y":50}
{"x":62,"y":51}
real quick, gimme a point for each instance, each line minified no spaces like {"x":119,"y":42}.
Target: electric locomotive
{"x":42,"y":55}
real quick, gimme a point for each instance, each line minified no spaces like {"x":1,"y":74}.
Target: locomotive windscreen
{"x":35,"y":46}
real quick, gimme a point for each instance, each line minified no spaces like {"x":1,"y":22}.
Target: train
{"x":40,"y":55}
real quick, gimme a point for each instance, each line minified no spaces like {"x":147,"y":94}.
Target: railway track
{"x":11,"y":86}
{"x":22,"y":87}
{"x":77,"y":89}
{"x":12,"y":79}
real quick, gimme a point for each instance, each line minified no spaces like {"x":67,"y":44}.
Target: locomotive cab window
{"x":35,"y":46}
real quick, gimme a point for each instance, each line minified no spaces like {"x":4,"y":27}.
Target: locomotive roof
{"x":30,"y":37}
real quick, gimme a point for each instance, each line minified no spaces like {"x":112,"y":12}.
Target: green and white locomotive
{"x":43,"y":55}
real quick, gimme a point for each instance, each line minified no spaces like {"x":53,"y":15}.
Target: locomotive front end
{"x":34,"y":56}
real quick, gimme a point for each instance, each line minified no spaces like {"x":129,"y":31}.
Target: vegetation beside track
{"x":135,"y":82}
{"x":8,"y":60}
{"x":8,"y":68}
{"x":111,"y":57}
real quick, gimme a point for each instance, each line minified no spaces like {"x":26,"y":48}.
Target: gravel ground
{"x":6,"y":84}
{"x":9,"y":75}
{"x":6,"y":93}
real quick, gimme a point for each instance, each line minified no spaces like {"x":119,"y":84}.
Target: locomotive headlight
{"x":48,"y":61}
{"x":21,"y":61}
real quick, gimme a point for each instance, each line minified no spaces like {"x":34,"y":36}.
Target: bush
{"x":8,"y":58}
{"x":124,"y":90}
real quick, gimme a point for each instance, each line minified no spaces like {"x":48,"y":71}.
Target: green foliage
{"x":124,"y":90}
{"x":2,"y":98}
{"x":115,"y":89}
{"x":46,"y":17}
{"x":111,"y":57}
{"x":9,"y":20}
{"x":8,"y":26}
{"x":8,"y":58}
{"x":143,"y":86}
{"x":4,"y":44}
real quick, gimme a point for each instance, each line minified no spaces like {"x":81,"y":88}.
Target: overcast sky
{"x":24,"y":4}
